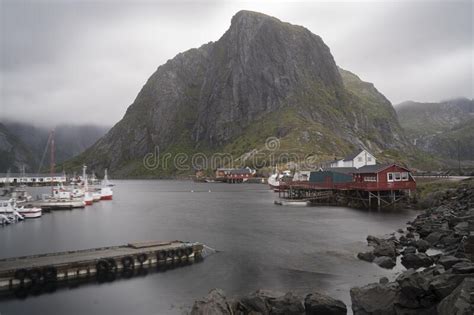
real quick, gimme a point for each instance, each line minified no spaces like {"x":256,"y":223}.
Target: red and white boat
{"x":106,"y":192}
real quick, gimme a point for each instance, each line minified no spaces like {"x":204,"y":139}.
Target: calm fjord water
{"x":260,"y":245}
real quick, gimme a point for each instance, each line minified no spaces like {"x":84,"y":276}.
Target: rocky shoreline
{"x":441,"y":283}
{"x":268,"y":302}
{"x":436,"y":248}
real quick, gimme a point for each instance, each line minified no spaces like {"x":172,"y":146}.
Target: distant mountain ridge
{"x":263,"y":78}
{"x":445,"y":129}
{"x":13,"y":152}
{"x":24,"y":144}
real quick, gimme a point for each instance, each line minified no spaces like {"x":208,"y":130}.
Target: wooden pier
{"x":100,"y":262}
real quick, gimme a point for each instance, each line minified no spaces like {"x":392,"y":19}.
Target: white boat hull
{"x":31,"y":213}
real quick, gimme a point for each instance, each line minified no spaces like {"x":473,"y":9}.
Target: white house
{"x":357,"y":160}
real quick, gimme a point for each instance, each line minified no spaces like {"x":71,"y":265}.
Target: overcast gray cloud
{"x":85,"y":61}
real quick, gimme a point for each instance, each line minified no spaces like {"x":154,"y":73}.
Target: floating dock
{"x":100,"y":262}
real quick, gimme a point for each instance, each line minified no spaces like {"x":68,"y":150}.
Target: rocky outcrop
{"x":262,"y":78}
{"x":444,"y":286}
{"x":268,"y":303}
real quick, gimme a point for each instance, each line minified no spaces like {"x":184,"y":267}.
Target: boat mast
{"x":52,"y":161}
{"x":84,"y":178}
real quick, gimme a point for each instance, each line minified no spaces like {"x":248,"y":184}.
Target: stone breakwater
{"x":441,"y":283}
{"x":268,"y":302}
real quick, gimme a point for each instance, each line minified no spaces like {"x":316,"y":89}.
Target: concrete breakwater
{"x":19,"y":274}
{"x":441,"y":283}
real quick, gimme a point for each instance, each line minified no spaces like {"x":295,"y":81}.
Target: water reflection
{"x":36,"y":288}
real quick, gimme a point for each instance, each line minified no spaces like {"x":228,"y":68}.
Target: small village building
{"x":384,"y":176}
{"x":234,"y":175}
{"x":357,"y":160}
{"x":380,"y":185}
{"x":31,"y":179}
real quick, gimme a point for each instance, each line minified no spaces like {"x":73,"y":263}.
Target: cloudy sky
{"x":85,"y":61}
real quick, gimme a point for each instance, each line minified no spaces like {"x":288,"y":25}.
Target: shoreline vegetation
{"x":440,"y":283}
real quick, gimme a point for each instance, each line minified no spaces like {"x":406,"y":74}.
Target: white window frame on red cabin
{"x":397,"y":174}
{"x":390,"y":177}
{"x":405,"y":176}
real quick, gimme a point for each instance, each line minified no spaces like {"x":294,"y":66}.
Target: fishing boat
{"x":20,"y":195}
{"x":60,"y":198}
{"x":88,"y":197}
{"x":30,"y":212}
{"x":276,"y":179}
{"x":106,"y":191}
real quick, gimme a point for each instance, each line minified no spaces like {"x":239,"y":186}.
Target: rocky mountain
{"x":13,"y":153}
{"x":263,"y":78}
{"x":28,"y":143}
{"x":444,"y":129}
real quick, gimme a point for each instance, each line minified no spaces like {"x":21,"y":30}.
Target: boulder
{"x":416,"y":261}
{"x":438,"y":270}
{"x":462,"y":228}
{"x":214,"y":303}
{"x":385,"y":262}
{"x":449,"y":241}
{"x":317,"y":304}
{"x":404,"y":241}
{"x":367,"y":256}
{"x":409,"y":250}
{"x":383,"y":280}
{"x":375,"y":298}
{"x":443,"y":284}
{"x":463,"y":267}
{"x":289,"y":304}
{"x":385,"y":249}
{"x":258,"y":302}
{"x":449,"y":261}
{"x":412,"y":283}
{"x":374,"y":240}
{"x":414,"y":290}
{"x":434,"y":237}
{"x":460,"y":301}
{"x":422,"y":246}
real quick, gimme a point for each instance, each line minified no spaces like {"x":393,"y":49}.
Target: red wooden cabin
{"x":382,"y":177}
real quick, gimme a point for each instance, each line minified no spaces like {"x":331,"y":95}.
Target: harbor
{"x":313,"y":245}
{"x":17,"y":204}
